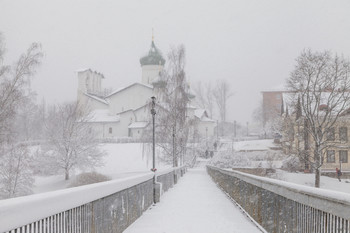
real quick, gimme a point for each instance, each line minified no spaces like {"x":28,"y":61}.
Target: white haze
{"x":251,"y":43}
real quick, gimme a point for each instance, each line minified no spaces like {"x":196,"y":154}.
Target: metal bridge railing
{"x":107,"y":207}
{"x":280,"y":206}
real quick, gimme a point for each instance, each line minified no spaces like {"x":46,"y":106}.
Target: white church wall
{"x":89,"y":82}
{"x":106,"y":130}
{"x":136,"y":133}
{"x":132,"y":97}
{"x":93,"y":104}
{"x":142,"y":114}
{"x":150,"y":72}
{"x":126,"y":118}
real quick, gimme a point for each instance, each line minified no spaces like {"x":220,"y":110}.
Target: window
{"x":330,"y":156}
{"x":343,"y":156}
{"x":343,"y":134}
{"x":330,"y":134}
{"x":110,"y":130}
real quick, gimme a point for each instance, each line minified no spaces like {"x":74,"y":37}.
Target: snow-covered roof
{"x":102,"y":115}
{"x":199,"y":112}
{"x":138,"y":125}
{"x":97,"y":98}
{"x":202,"y":115}
{"x":189,"y":106}
{"x":124,"y":88}
{"x":207,"y":119}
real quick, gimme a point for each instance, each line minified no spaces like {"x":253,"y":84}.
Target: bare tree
{"x":72,"y":142}
{"x":15,"y":83}
{"x":221,"y":94}
{"x":204,"y":97}
{"x":322,"y":82}
{"x":173,"y":126}
{"x":16,"y":176}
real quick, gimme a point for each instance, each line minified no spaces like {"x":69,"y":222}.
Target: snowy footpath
{"x":194,"y":205}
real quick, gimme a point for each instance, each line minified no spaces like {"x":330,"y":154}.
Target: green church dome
{"x":154,"y":57}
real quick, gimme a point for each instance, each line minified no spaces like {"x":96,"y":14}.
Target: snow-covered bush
{"x":292,"y":164}
{"x":88,"y":178}
{"x":225,"y":159}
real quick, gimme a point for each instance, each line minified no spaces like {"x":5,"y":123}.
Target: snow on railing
{"x":89,"y":208}
{"x":280,"y":206}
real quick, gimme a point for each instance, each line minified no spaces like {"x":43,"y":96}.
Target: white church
{"x":124,"y":113}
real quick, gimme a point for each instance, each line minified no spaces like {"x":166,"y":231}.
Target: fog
{"x":250,"y":43}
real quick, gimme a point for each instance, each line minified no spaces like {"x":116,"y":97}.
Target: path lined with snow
{"x":194,"y":205}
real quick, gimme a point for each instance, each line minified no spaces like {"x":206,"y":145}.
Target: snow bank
{"x":308,"y":179}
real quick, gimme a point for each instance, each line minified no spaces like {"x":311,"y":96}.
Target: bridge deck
{"x":194,"y":205}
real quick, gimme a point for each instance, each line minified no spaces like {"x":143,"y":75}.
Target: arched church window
{"x":110,"y":130}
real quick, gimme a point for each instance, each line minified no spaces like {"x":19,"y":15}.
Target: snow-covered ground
{"x":249,"y":145}
{"x":195,"y":205}
{"x":309,"y":180}
{"x":121,"y":160}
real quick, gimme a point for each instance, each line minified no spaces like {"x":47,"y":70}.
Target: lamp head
{"x":153,"y":99}
{"x":153,"y":111}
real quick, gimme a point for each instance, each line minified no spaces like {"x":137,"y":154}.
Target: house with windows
{"x":124,"y":112}
{"x":337,"y":153}
{"x":298,"y":141}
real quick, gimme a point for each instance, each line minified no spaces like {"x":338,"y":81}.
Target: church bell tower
{"x":152,"y":64}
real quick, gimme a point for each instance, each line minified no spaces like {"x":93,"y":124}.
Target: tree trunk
{"x":317,"y":177}
{"x":67,"y":174}
{"x":317,"y":158}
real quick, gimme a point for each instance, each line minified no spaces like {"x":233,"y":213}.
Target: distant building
{"x":124,"y":112}
{"x":272,"y":105}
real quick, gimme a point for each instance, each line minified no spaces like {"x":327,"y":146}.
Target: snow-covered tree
{"x":15,"y":85}
{"x":71,"y":141}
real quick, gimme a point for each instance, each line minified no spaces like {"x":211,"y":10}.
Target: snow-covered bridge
{"x":195,"y":204}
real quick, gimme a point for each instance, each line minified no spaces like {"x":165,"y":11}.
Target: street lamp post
{"x":206,"y":136}
{"x":153,"y":112}
{"x":174,"y":147}
{"x":217,"y":130}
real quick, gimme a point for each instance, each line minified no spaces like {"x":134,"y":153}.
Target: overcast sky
{"x":250,"y":43}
